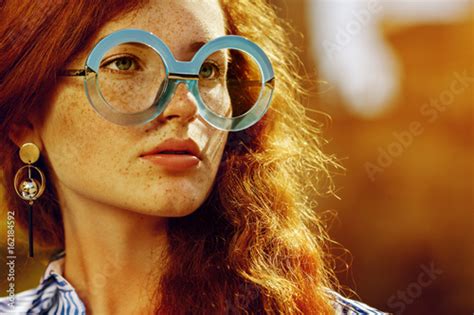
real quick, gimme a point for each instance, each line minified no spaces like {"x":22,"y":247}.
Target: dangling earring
{"x":28,"y":187}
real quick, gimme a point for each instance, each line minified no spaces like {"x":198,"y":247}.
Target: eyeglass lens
{"x":132,"y":77}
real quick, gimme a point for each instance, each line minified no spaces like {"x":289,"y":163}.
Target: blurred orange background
{"x":406,"y":208}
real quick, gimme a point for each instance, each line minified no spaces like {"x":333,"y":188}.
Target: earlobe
{"x":23,"y":132}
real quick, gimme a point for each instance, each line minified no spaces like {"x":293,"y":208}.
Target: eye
{"x":123,"y":63}
{"x":209,"y":71}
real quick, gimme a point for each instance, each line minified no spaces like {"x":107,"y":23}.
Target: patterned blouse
{"x":55,"y":295}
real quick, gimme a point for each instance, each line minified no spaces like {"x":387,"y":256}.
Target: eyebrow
{"x":196,"y":46}
{"x":193,"y":48}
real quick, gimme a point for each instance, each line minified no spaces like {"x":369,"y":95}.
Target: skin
{"x":115,"y":204}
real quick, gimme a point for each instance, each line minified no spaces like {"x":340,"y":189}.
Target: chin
{"x":175,"y":212}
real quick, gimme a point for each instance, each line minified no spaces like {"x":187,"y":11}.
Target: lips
{"x":175,"y":146}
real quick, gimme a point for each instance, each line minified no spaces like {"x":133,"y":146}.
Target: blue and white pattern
{"x":55,"y":295}
{"x":343,"y":305}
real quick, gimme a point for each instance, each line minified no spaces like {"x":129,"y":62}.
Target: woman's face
{"x":101,"y":161}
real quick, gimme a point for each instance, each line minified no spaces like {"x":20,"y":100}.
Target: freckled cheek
{"x":76,"y":136}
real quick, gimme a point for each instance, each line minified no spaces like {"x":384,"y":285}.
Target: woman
{"x":224,"y":228}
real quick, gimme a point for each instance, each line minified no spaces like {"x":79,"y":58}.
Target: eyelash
{"x":220,"y":68}
{"x":118,"y":57}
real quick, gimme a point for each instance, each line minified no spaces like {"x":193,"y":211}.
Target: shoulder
{"x":19,"y":303}
{"x":344,"y":305}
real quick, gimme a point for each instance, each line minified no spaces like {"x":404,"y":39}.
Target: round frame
{"x":41,"y":188}
{"x":181,"y":72}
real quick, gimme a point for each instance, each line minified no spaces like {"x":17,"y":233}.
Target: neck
{"x":112,"y":255}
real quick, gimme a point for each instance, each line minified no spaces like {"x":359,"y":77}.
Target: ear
{"x":23,"y":132}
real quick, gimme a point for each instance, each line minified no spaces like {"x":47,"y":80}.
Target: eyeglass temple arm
{"x":256,"y":83}
{"x":72,"y":73}
{"x":82,"y":72}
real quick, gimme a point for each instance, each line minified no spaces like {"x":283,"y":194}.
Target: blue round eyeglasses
{"x":131,"y":75}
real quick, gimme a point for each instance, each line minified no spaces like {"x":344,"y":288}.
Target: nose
{"x":182,"y":105}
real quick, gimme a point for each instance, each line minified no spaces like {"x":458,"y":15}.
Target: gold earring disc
{"x":29,"y":153}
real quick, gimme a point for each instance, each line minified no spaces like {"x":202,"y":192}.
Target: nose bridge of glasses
{"x":182,"y":77}
{"x":183,"y":70}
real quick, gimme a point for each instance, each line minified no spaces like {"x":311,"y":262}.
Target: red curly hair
{"x":264,"y":251}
